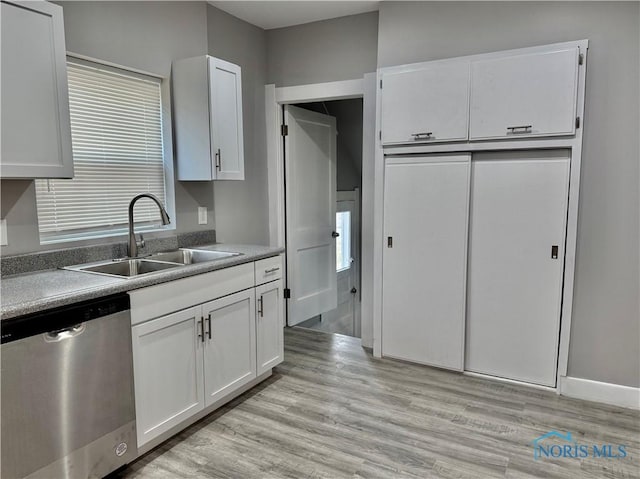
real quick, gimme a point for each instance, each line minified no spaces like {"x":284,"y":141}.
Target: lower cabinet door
{"x":269,"y":325}
{"x":229,"y":344}
{"x":168,"y":372}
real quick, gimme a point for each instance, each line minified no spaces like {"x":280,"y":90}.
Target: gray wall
{"x":330,"y":50}
{"x":242,"y":207}
{"x":148,"y":36}
{"x":605,"y":335}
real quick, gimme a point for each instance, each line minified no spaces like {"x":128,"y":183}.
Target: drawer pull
{"x":422,"y":136}
{"x":271,"y":270}
{"x":519,"y":129}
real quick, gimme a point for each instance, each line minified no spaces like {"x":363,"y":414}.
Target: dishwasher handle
{"x":66,"y":333}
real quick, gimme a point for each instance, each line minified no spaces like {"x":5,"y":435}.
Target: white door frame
{"x":275,"y":98}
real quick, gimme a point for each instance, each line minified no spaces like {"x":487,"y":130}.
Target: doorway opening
{"x":322,"y":204}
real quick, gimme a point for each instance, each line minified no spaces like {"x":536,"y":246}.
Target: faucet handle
{"x":140,"y":243}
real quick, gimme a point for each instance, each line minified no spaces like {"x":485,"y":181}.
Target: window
{"x":117,"y":138}
{"x":343,"y":244}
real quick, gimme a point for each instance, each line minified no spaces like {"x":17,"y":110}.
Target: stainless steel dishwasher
{"x":67,"y":391}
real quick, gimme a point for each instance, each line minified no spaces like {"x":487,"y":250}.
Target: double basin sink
{"x":135,"y":267}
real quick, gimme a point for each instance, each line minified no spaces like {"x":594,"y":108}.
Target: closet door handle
{"x":218,"y":159}
{"x":335,"y":234}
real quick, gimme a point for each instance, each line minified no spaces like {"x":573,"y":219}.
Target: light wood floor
{"x":331,"y":410}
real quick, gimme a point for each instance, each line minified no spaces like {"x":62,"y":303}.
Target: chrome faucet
{"x":133,"y":244}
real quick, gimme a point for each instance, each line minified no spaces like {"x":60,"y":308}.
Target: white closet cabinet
{"x":516,"y":256}
{"x":424,"y":262}
{"x":426,"y":105}
{"x":36,"y":131}
{"x":229,"y":344}
{"x":207,"y":112}
{"x":269,"y":325}
{"x":168,"y":370}
{"x":525,"y":95}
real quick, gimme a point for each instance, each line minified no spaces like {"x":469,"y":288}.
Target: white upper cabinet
{"x":36,"y":131}
{"x":524,"y":95}
{"x":426,"y":105}
{"x":207,"y":111}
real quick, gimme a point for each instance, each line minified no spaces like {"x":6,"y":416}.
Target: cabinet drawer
{"x":268,"y":269}
{"x":155,"y":301}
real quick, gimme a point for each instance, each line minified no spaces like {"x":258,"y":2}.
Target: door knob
{"x":335,"y":234}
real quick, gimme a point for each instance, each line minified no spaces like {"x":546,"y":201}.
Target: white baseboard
{"x":589,"y":390}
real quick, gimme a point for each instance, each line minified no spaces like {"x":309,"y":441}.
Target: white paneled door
{"x":310,"y":162}
{"x":424,"y":262}
{"x":516,"y":255}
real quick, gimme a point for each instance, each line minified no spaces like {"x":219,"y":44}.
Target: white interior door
{"x":516,"y":256}
{"x":344,"y":319}
{"x":310,"y":171}
{"x":426,"y":203}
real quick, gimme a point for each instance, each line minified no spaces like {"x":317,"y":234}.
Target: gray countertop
{"x":34,"y":292}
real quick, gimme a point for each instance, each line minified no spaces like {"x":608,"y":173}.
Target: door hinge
{"x":381,"y":83}
{"x":284,"y":130}
{"x":577,"y":122}
{"x":380,"y":135}
{"x":287,"y":293}
{"x":581,"y":59}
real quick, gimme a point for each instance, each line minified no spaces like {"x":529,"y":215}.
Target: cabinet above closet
{"x":207,"y":112}
{"x":531,"y":92}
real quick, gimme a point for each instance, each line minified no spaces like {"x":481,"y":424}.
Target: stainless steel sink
{"x":191,"y":256}
{"x":124,"y":268}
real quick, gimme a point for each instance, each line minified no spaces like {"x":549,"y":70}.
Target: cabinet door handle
{"x":201,"y":326}
{"x":271,"y":270}
{"x":209,"y":324}
{"x":426,"y":135}
{"x":218,"y":159}
{"x":519,"y":129}
{"x":260,"y":307}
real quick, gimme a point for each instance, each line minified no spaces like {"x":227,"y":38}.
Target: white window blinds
{"x":116,"y":127}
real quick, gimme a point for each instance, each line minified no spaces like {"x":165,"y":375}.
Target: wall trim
{"x":614,"y":394}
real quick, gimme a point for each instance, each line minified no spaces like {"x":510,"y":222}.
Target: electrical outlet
{"x":3,"y":233}
{"x":202,"y":215}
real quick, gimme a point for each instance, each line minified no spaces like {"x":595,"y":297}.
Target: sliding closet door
{"x":516,"y":254}
{"x":425,"y":222}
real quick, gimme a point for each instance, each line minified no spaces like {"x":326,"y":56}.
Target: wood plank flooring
{"x":332,"y":411}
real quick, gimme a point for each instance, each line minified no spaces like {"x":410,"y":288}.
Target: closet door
{"x":516,"y":254}
{"x":425,"y":222}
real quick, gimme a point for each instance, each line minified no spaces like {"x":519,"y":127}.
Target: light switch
{"x":3,"y":233}
{"x":202,"y":215}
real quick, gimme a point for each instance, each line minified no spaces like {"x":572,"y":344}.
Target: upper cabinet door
{"x":524,"y":95}
{"x":225,"y":96}
{"x":207,"y":117}
{"x":36,"y":132}
{"x":426,"y":105}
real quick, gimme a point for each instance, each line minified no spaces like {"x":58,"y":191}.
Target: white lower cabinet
{"x":168,"y":368}
{"x":187,"y":361}
{"x":229,"y":344}
{"x":269,"y":325}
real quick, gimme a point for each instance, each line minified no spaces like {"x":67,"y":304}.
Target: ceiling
{"x":276,"y":14}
